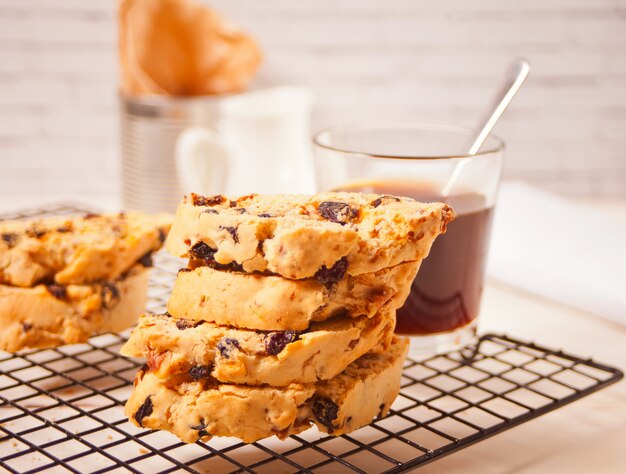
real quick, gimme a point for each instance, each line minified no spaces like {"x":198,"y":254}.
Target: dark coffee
{"x":447,"y":291}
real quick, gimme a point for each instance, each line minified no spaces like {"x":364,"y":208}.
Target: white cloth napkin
{"x":560,"y":249}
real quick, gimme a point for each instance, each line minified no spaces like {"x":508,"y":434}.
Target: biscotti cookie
{"x":325,"y":235}
{"x":77,"y":250}
{"x":53,"y":315}
{"x":268,"y":302}
{"x":249,"y":357}
{"x":201,"y":409}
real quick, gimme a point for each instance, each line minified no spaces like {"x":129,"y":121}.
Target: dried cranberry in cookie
{"x":202,"y":251}
{"x":110,"y":294}
{"x":9,"y":238}
{"x":275,"y":342}
{"x":232,"y":231}
{"x":198,"y":372}
{"x":226,"y":346}
{"x":207,"y":200}
{"x":329,"y":276}
{"x":201,"y":429}
{"x":183,"y":324}
{"x":58,"y":291}
{"x":325,"y":411}
{"x":143,"y":411}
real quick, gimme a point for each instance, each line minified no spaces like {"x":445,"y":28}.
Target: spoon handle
{"x":515,"y":77}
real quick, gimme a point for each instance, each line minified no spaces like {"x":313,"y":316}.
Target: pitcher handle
{"x":201,"y":161}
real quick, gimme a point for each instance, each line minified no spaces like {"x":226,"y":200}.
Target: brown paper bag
{"x":179,"y":47}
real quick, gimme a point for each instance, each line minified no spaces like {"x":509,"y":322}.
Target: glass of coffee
{"x":426,"y":162}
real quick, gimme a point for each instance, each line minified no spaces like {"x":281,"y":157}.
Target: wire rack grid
{"x":61,"y":410}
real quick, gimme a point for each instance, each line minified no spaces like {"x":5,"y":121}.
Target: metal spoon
{"x":515,"y":77}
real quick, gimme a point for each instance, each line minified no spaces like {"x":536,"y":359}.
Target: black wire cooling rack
{"x":61,"y":409}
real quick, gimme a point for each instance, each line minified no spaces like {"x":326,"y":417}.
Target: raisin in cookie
{"x":269,"y":302}
{"x":200,"y":409}
{"x":52,"y":315}
{"x":77,"y":250}
{"x":325,"y":236}
{"x":242,"y":356}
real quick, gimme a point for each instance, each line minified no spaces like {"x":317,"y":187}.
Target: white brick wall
{"x":365,"y":59}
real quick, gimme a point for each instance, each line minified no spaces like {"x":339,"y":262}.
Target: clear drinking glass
{"x":426,"y":162}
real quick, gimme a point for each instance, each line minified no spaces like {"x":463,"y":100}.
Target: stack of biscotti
{"x":284,"y":315}
{"x":64,"y":279}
